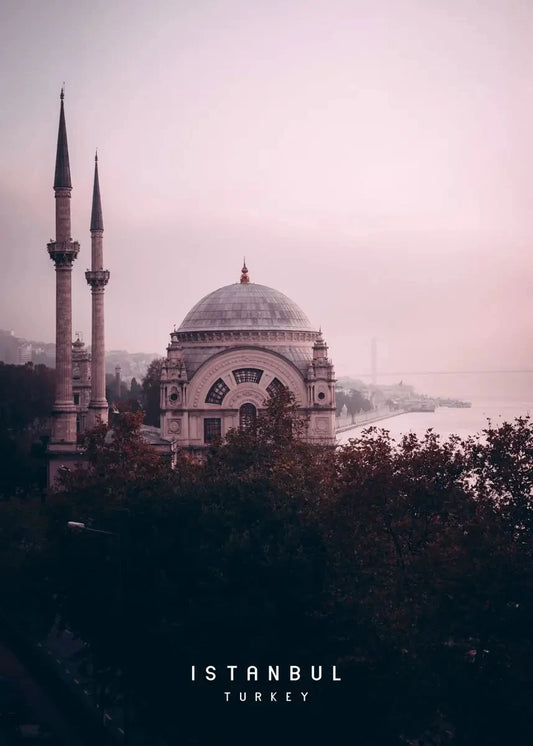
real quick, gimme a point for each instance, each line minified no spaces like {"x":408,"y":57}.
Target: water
{"x":499,"y":397}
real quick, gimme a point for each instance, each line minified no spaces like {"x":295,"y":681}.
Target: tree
{"x":214,"y":564}
{"x":26,"y":399}
{"x":26,"y":394}
{"x":354,"y":400}
{"x":437,"y":592}
{"x":151,"y":392}
{"x":135,"y":389}
{"x":501,"y":459}
{"x":118,"y":457}
{"x":404,"y":563}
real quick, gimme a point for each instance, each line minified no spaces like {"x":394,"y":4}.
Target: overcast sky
{"x":371,"y":158}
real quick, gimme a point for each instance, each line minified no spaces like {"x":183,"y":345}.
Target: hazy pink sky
{"x":371,"y":159}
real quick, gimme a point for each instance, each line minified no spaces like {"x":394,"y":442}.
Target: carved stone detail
{"x":97,"y":278}
{"x":221,"y":367}
{"x":247,"y":336}
{"x":253,"y":393}
{"x":174,"y":426}
{"x":63,"y":253}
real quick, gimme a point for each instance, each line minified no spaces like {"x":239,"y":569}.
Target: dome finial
{"x":244,"y":273}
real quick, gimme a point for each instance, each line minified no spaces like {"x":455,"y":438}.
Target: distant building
{"x":8,"y":347}
{"x":24,"y":353}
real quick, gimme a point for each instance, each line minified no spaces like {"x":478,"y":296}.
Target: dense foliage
{"x":26,"y":398}
{"x":408,"y":565}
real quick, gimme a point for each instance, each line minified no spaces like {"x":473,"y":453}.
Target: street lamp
{"x":75,"y":526}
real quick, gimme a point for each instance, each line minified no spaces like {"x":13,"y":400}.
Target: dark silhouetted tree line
{"x":408,"y":565}
{"x":26,"y":400}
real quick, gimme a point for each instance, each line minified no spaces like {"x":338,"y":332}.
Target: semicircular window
{"x":247,"y":375}
{"x":274,"y":387}
{"x":217,"y":392}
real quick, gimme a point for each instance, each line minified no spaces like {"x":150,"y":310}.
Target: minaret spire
{"x":63,"y":251}
{"x":62,"y":174}
{"x":97,"y":278}
{"x":97,"y":221}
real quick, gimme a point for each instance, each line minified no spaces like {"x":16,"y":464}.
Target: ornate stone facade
{"x":231,"y":352}
{"x":81,"y":383}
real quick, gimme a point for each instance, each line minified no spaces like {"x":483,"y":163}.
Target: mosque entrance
{"x":247,"y":417}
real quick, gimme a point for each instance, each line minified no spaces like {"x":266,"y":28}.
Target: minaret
{"x":97,"y":277}
{"x":63,"y":251}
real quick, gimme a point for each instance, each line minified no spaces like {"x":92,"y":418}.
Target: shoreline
{"x":370,"y":419}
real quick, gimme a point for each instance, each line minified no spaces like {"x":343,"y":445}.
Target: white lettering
{"x":251,"y":671}
{"x":273,"y":697}
{"x":288,"y":697}
{"x":210,"y":673}
{"x":193,"y":673}
{"x":335,"y":674}
{"x":304,"y":695}
{"x":273,"y":673}
{"x":294,"y":673}
{"x":258,"y":696}
{"x":316,"y":678}
{"x":227,"y":696}
{"x":231,"y":670}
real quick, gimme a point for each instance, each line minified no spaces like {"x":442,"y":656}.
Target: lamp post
{"x":121,"y":536}
{"x":75,"y":526}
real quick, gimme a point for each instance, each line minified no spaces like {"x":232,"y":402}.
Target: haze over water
{"x":496,"y":396}
{"x":495,"y":386}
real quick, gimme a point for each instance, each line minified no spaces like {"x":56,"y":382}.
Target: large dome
{"x":243,"y":306}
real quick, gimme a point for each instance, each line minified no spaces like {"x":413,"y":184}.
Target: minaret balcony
{"x":63,"y":253}
{"x":97,"y":278}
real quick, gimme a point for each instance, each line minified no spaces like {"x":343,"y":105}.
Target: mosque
{"x":236,"y":347}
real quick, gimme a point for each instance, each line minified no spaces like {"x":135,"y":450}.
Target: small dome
{"x":244,"y":306}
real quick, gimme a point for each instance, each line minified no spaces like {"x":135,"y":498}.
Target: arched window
{"x":247,"y":375}
{"x":275,"y":387}
{"x":217,"y":392}
{"x":247,"y":417}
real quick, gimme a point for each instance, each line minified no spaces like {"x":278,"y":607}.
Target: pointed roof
{"x":97,"y":221}
{"x":245,"y":279}
{"x":62,"y":174}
